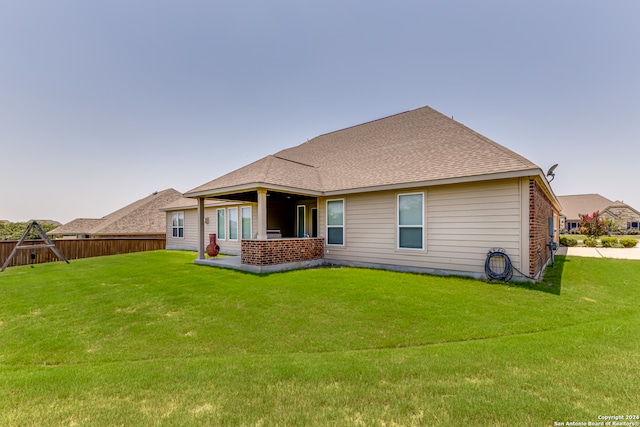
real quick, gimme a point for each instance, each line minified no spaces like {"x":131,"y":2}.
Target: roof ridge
{"x":369,"y":122}
{"x":518,"y":157}
{"x":133,"y":207}
{"x":266,"y":167}
{"x":293,"y":161}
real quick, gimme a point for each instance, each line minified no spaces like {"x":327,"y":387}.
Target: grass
{"x":151,"y":339}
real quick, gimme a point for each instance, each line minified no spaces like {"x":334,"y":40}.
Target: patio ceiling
{"x":252,"y":196}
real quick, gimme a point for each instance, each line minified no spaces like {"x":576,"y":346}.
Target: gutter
{"x":533,"y":172}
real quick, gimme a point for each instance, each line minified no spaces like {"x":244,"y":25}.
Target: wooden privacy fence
{"x":78,"y":248}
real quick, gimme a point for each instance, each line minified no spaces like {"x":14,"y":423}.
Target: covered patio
{"x":285,"y":236}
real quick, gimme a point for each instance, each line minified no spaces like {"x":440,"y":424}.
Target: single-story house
{"x":625,"y":218}
{"x":416,"y":191}
{"x":142,"y":218}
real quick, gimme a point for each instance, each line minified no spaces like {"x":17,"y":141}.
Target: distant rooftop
{"x":139,"y":218}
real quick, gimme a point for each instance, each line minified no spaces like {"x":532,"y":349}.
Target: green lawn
{"x":152,"y":339}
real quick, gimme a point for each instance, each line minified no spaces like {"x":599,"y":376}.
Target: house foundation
{"x":273,"y":255}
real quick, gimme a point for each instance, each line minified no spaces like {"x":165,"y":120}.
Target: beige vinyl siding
{"x":190,"y":240}
{"x":462,"y":223}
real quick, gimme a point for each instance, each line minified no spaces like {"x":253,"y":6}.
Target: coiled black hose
{"x":498,"y":265}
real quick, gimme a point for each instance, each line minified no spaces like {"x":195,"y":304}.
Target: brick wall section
{"x":281,"y":251}
{"x":540,"y":209}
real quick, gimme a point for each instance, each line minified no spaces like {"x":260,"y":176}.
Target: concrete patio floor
{"x":233,"y":262}
{"x":230,"y":261}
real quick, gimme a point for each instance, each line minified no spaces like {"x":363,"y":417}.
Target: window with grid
{"x":177,"y":224}
{"x":335,"y":222}
{"x":411,"y":221}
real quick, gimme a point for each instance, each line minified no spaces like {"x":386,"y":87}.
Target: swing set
{"x":48,"y":243}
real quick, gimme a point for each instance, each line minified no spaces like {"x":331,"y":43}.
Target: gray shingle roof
{"x":577,"y":204}
{"x":143,"y":216}
{"x":416,"y":146}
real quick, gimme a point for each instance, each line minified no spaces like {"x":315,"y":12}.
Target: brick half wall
{"x":281,"y":251}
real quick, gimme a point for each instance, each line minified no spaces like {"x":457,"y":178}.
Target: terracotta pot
{"x":213,"y":249}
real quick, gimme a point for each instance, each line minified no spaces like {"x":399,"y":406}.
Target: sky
{"x":104,"y":102}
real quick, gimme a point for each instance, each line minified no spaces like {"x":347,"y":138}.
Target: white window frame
{"x":237,"y":224}
{"x":304,"y":220}
{"x":242,"y":231}
{"x":399,"y":227}
{"x":224,"y":224}
{"x":344,"y":221}
{"x":175,"y":225}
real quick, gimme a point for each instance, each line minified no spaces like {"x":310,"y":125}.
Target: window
{"x":301,"y":220}
{"x":221,"y":224}
{"x":411,"y":221}
{"x":335,"y":222}
{"x":177,"y":224}
{"x":246,"y":222}
{"x":233,"y":223}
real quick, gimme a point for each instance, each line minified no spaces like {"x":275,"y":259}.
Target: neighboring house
{"x":623,"y":216}
{"x":142,"y":218}
{"x":416,"y":191}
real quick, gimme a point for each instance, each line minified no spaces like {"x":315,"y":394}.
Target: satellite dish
{"x":550,"y":172}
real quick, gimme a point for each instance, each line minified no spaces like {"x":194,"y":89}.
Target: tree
{"x":592,"y":225}
{"x":14,"y":230}
{"x":612,"y":226}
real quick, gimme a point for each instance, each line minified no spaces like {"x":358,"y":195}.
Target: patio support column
{"x":262,"y":214}
{"x":200,"y":228}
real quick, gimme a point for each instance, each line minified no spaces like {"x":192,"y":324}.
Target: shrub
{"x":633,"y":232}
{"x":592,"y":243}
{"x":592,"y":225}
{"x":568,"y":241}
{"x":629,"y":242}
{"x":609,"y":242}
